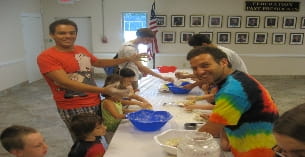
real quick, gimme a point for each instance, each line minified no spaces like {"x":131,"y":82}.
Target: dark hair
{"x":110,"y":79}
{"x":84,"y":123}
{"x":145,"y":33}
{"x":126,"y":72}
{"x":54,"y":24}
{"x":12,"y":137}
{"x":292,"y":123}
{"x":198,"y":40}
{"x":216,"y":53}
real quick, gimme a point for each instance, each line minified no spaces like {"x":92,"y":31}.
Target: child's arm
{"x":134,"y":102}
{"x":129,"y":102}
{"x":182,"y":75}
{"x":201,"y":97}
{"x":110,"y":106}
{"x":191,"y":85}
{"x":129,"y":110}
{"x":139,"y":98}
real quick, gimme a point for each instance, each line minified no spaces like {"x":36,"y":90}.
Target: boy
{"x":88,"y":130}
{"x":22,"y":141}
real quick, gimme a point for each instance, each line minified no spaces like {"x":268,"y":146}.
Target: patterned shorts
{"x":67,"y":114}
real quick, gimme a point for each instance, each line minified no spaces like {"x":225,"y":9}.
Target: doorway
{"x":33,"y":43}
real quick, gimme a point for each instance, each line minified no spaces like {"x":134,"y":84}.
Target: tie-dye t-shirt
{"x":247,"y":110}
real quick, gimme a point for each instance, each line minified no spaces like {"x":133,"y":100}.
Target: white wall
{"x":92,"y":8}
{"x":12,"y":55}
{"x":261,"y":59}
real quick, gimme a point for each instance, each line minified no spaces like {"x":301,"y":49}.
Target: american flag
{"x":153,"y":48}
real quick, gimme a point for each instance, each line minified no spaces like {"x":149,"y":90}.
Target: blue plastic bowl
{"x":178,"y":90}
{"x":148,"y":120}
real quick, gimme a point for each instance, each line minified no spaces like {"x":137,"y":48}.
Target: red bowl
{"x":166,"y":69}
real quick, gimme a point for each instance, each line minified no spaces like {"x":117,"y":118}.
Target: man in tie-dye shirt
{"x":244,"y":110}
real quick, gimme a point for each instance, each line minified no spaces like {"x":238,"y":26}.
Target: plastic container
{"x":199,"y":144}
{"x":148,"y":120}
{"x":178,"y":89}
{"x":166,"y":69}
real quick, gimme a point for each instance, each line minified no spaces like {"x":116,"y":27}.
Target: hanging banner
{"x":280,"y":6}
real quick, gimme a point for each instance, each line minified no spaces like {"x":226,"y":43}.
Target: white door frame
{"x":33,"y":43}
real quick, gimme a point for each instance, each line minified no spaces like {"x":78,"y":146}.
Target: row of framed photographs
{"x":240,"y":37}
{"x":232,"y":21}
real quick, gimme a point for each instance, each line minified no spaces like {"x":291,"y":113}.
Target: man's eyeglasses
{"x":279,"y":152}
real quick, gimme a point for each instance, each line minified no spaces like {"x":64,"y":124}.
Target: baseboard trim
{"x":14,"y":88}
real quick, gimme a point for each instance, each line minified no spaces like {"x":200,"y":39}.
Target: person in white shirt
{"x":144,"y":36}
{"x":236,"y":61}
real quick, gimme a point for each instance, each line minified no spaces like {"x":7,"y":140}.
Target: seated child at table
{"x":112,"y":107}
{"x":88,"y":129}
{"x":127,"y":77}
{"x":22,"y":141}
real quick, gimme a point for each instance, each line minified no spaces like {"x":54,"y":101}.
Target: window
{"x":132,"y":21}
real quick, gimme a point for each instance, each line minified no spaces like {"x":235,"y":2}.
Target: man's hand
{"x":137,"y":57}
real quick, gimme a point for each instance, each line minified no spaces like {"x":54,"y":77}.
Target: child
{"x":88,"y":130}
{"x":127,"y":78}
{"x":22,"y":141}
{"x":112,"y":107}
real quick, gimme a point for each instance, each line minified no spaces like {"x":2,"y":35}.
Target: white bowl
{"x":171,"y":137}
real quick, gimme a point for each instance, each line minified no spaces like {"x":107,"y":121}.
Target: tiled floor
{"x":32,"y":105}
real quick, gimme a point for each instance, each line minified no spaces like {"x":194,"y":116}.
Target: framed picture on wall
{"x":278,"y":38}
{"x":234,"y":21}
{"x":168,"y":37}
{"x":161,"y":20}
{"x":196,"y":20}
{"x":223,"y":37}
{"x":178,"y":20}
{"x":252,"y":21}
{"x":303,"y":22}
{"x":185,"y":36}
{"x":260,"y":38}
{"x":208,"y":35}
{"x":241,"y":38}
{"x":289,"y":21}
{"x":271,"y":21}
{"x":296,"y":38}
{"x":215,"y":21}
